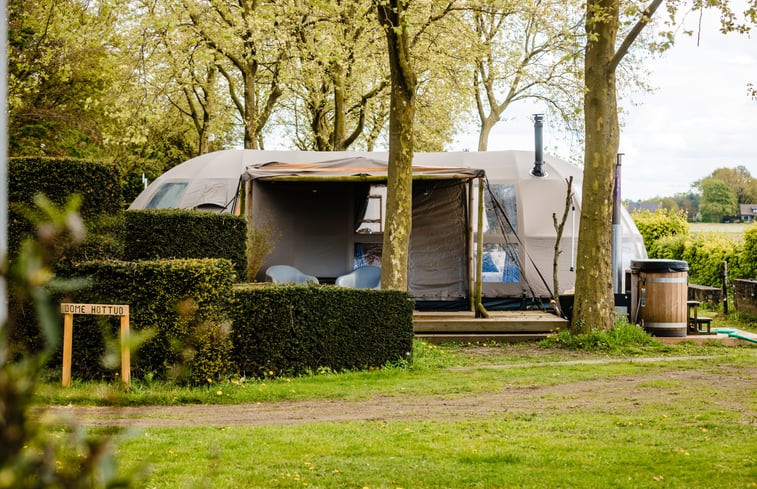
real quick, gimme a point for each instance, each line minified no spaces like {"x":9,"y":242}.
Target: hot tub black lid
{"x":659,"y":265}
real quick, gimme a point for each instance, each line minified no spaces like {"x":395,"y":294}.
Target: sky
{"x":699,"y":117}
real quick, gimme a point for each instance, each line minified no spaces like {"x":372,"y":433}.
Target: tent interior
{"x":327,"y":212}
{"x":328,"y":219}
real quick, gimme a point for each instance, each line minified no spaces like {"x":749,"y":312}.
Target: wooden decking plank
{"x":498,"y":322}
{"x":480,"y":338}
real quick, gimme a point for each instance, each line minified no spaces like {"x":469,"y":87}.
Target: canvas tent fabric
{"x":316,"y":209}
{"x":511,"y":256}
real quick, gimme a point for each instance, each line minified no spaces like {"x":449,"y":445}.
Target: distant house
{"x":644,"y":206}
{"x":748,"y":212}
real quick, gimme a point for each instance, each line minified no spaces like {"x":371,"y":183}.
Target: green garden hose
{"x":734,"y":333}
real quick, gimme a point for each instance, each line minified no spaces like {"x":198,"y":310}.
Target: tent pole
{"x":480,"y":310}
{"x":471,"y":244}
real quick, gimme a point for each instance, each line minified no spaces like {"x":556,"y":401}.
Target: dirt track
{"x":615,"y":394}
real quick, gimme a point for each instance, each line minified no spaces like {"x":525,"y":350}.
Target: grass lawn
{"x":734,"y":231}
{"x":495,"y":416}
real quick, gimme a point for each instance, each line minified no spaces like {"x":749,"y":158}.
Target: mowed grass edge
{"x":666,"y":433}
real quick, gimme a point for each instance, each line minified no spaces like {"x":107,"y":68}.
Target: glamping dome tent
{"x":327,"y":209}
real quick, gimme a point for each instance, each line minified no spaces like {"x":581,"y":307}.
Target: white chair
{"x":284,"y":274}
{"x":367,"y":277}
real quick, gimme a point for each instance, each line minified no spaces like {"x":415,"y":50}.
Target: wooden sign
{"x":69,"y":309}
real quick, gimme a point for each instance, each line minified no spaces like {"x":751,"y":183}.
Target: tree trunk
{"x":486,"y":128}
{"x":594,"y":301}
{"x":401,"y":114}
{"x":250,"y":104}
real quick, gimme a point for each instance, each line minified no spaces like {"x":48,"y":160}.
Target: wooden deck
{"x":501,"y":326}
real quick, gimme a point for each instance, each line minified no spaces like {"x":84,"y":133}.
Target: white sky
{"x":699,"y":118}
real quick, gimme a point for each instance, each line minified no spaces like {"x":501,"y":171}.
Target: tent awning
{"x":350,"y":169}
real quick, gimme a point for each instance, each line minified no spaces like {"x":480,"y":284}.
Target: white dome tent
{"x":318,"y":200}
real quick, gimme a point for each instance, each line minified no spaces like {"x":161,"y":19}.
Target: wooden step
{"x":499,"y":322}
{"x":480,"y":338}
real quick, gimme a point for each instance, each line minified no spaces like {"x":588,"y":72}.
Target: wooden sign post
{"x":69,"y":310}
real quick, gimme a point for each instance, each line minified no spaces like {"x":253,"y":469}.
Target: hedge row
{"x":706,"y":253}
{"x":182,"y":304}
{"x":178,"y":233}
{"x":57,"y":178}
{"x":200,"y":327}
{"x":295,"y":329}
{"x":666,"y":235}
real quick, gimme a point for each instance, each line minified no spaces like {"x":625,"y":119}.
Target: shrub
{"x":669,"y":247}
{"x":57,"y":178}
{"x":706,"y":255}
{"x":748,"y":259}
{"x":180,"y":233}
{"x":663,"y":222}
{"x":184,"y":304}
{"x":296,"y":329}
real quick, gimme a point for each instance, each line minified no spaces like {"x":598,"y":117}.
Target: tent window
{"x":500,"y":263}
{"x":168,"y":196}
{"x":506,"y":195}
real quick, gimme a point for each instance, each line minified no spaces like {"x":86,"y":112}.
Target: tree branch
{"x":646,"y":17}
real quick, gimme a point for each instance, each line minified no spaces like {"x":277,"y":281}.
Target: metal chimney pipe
{"x":538,"y":170}
{"x":617,"y":232}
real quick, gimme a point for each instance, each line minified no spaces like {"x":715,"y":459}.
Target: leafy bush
{"x":179,"y":233}
{"x":35,"y":453}
{"x":183,"y":303}
{"x":748,"y":258}
{"x":622,"y":336}
{"x":706,"y":255}
{"x":661,"y":223}
{"x":296,"y":329}
{"x":57,"y":178}
{"x":97,"y":185}
{"x":669,"y":247}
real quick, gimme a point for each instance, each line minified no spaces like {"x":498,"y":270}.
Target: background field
{"x":734,"y":231}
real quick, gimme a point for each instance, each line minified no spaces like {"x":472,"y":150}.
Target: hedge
{"x":99,"y":184}
{"x":290,"y":330}
{"x":662,"y":223}
{"x":180,"y":233}
{"x":183,"y":303}
{"x":749,"y":253}
{"x":706,"y":255}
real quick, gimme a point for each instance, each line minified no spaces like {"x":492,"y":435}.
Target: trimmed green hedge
{"x":180,"y":233}
{"x":290,"y":330}
{"x":706,"y":255}
{"x":99,"y":184}
{"x":749,"y":253}
{"x":184,"y":303}
{"x":663,"y":223}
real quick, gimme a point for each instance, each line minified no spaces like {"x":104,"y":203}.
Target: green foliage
{"x":182,"y":302}
{"x":718,"y":200}
{"x":663,"y":222}
{"x":295,"y":329}
{"x":177,"y":233}
{"x":34,"y":453}
{"x":97,"y":183}
{"x":669,"y":247}
{"x":706,"y":254}
{"x":748,"y":258}
{"x":622,"y":336}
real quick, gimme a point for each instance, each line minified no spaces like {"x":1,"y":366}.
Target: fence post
{"x":725,"y":287}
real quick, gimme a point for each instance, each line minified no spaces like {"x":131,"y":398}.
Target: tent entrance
{"x":328,"y":228}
